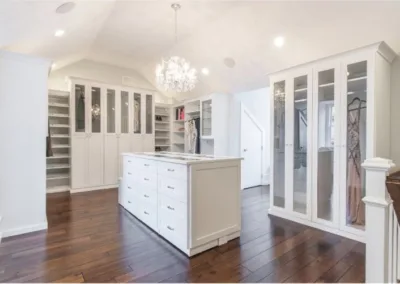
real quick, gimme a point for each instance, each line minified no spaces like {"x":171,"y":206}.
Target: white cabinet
{"x":106,"y":122}
{"x":328,"y":117}
{"x":182,"y":201}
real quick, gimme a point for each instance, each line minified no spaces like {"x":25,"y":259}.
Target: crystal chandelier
{"x":175,"y":74}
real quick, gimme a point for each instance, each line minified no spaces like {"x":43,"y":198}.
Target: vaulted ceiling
{"x":137,"y":34}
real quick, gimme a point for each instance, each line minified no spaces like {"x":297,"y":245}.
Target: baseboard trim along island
{"x":192,"y":201}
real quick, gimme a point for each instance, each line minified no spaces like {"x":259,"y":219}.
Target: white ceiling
{"x":137,"y":34}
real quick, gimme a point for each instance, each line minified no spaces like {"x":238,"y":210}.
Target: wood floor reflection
{"x":92,"y":239}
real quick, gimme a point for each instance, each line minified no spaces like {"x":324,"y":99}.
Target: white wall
{"x":101,"y":72}
{"x":258,"y":103}
{"x":23,"y":128}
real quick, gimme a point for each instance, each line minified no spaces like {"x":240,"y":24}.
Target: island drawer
{"x":172,"y":187}
{"x":173,"y":229}
{"x":146,"y":178}
{"x":148,"y":214}
{"x":134,"y":163}
{"x":172,"y":170}
{"x":175,"y":209}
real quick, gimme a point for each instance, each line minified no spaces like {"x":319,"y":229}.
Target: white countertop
{"x":181,"y":158}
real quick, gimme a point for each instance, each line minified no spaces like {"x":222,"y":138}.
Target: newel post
{"x":377,"y":203}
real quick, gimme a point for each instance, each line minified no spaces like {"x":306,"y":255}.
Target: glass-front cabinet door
{"x":137,"y":113}
{"x":206,"y":118}
{"x":149,"y":114}
{"x":111,"y":111}
{"x":80,"y":108}
{"x":279,"y":144}
{"x":326,"y":134}
{"x":124,"y":112}
{"x":354,"y":151}
{"x":301,"y":120}
{"x":95,"y":110}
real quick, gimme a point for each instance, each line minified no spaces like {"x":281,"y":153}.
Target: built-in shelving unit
{"x":58,"y":164}
{"x":162,"y":127}
{"x":178,"y":128}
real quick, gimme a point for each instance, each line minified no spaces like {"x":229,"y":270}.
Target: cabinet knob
{"x":171,"y":208}
{"x":170,"y":228}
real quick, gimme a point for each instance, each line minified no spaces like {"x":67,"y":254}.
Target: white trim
{"x":0,"y":232}
{"x":78,"y":190}
{"x":26,"y":229}
{"x":58,"y":189}
{"x":244,"y":110}
{"x":309,"y":223}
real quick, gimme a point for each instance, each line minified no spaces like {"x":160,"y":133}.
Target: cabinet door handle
{"x":146,"y":196}
{"x":146,"y":179}
{"x":170,"y":228}
{"x":146,"y":165}
{"x":147,"y":213}
{"x":170,"y":187}
{"x":171,"y":170}
{"x":171,"y":208}
{"x":129,"y":201}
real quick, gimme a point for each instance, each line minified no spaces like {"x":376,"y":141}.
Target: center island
{"x":192,"y":201}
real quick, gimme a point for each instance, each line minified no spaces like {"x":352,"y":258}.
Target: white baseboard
{"x":283,"y":215}
{"x":78,"y":190}
{"x":58,"y":189}
{"x":24,"y":230}
{"x":266,"y":179}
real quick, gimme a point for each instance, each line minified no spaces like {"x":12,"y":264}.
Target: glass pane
{"x":79,"y":108}
{"x":136,"y":113}
{"x":110,"y":111}
{"x":124,"y":112}
{"x":96,"y":110}
{"x":326,"y":142}
{"x":300,"y":145}
{"x":356,"y":142}
{"x":207,"y":122}
{"x":149,"y":114}
{"x":279,"y":144}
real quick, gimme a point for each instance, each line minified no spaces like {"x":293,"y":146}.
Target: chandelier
{"x":175,"y":74}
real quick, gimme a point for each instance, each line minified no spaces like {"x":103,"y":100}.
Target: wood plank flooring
{"x":92,"y":239}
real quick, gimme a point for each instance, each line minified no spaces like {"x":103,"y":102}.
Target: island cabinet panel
{"x":192,"y":201}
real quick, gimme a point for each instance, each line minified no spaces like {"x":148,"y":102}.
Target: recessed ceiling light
{"x":205,"y":71}
{"x":53,"y":65}
{"x":59,"y":33}
{"x":279,"y":41}
{"x":65,"y":8}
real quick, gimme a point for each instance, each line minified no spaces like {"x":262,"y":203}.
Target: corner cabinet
{"x":327,"y":117}
{"x":106,"y":122}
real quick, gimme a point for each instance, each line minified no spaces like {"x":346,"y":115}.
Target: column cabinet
{"x":106,"y":122}
{"x":327,"y":117}
{"x":87,"y":145}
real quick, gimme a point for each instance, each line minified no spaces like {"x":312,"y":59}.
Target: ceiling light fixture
{"x":279,"y":41}
{"x":65,"y":8}
{"x":53,"y":65}
{"x":175,"y":74}
{"x":59,"y":33}
{"x":205,"y":71}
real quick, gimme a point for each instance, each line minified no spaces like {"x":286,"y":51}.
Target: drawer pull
{"x":129,"y":187}
{"x":146,"y":179}
{"x":170,"y":187}
{"x":129,"y":173}
{"x":171,"y":208}
{"x":147,"y":213}
{"x":129,"y":201}
{"x":171,"y":170}
{"x":146,"y":165}
{"x":129,"y":161}
{"x":146,"y":196}
{"x":170,"y":228}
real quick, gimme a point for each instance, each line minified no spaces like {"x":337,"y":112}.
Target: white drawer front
{"x":148,"y":214}
{"x":132,"y":202}
{"x":174,"y":188}
{"x":145,"y":165}
{"x":172,"y":170}
{"x":175,"y":209}
{"x":148,"y":194}
{"x":173,"y":230}
{"x":146,"y":179}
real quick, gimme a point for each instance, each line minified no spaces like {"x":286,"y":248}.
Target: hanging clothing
{"x":49,"y":148}
{"x":355,"y":205}
{"x":191,"y":134}
{"x":197,"y":125}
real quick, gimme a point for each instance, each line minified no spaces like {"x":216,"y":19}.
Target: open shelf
{"x":58,"y":105}
{"x":57,"y":176}
{"x":59,"y":156}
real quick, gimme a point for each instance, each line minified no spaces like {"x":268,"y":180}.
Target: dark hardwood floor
{"x":92,"y":239}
